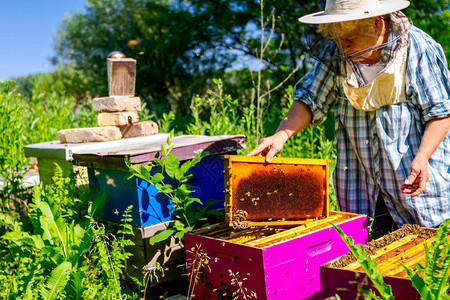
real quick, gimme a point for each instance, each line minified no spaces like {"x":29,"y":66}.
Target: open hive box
{"x":344,"y":275}
{"x":276,"y":235}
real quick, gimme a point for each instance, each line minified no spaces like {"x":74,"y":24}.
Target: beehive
{"x":277,"y":240}
{"x":344,"y":275}
{"x":285,"y":191}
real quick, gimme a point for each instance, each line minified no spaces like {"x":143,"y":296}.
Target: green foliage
{"x":64,"y":78}
{"x":32,"y":120}
{"x":369,"y":266}
{"x":163,"y":36}
{"x":60,"y":254}
{"x":432,"y":280}
{"x":218,"y":114}
{"x":45,"y":111}
{"x":26,"y":121}
{"x":12,"y":140}
{"x":171,"y":179}
{"x":57,"y":281}
{"x":433,"y":18}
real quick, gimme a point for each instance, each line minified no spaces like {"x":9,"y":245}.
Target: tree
{"x":180,"y":45}
{"x":173,"y":53}
{"x":433,"y":17}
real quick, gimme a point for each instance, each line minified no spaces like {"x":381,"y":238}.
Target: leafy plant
{"x":12,"y":140}
{"x":221,"y":111}
{"x":152,"y":271}
{"x":167,"y":121}
{"x":432,"y":280}
{"x":369,"y":266}
{"x":62,"y":254}
{"x":172,"y":180}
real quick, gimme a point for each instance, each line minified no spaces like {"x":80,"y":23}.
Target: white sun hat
{"x":348,"y":10}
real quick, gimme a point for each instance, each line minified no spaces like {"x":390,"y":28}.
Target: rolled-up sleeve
{"x":316,"y":89}
{"x":430,"y":79}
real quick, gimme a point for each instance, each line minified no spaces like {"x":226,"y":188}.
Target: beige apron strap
{"x":387,"y":88}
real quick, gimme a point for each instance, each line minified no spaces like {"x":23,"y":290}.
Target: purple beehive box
{"x":269,"y":263}
{"x":281,"y":259}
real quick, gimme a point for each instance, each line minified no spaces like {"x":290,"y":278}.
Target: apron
{"x":387,"y":88}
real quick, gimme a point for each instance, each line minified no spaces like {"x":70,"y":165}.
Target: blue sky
{"x":27,"y":32}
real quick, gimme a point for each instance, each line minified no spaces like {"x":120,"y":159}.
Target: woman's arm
{"x":298,"y":116}
{"x":435,"y":132}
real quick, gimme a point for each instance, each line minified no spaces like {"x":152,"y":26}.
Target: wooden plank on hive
{"x":250,"y":235}
{"x":388,"y":260}
{"x":281,"y":160}
{"x":410,"y":261}
{"x":121,"y":76}
{"x":393,"y":266}
{"x":207,"y":229}
{"x":54,"y":149}
{"x":385,"y":252}
{"x":278,"y":223}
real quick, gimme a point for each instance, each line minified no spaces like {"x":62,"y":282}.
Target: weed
{"x":432,"y":280}
{"x":172,"y":181}
{"x":197,"y":264}
{"x":241,"y":290}
{"x":62,"y":254}
{"x":151,"y":271}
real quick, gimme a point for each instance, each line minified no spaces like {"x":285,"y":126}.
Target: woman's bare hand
{"x":270,"y":146}
{"x":416,"y":181}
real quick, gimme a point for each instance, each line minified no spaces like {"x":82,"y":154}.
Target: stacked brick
{"x":118,"y":113}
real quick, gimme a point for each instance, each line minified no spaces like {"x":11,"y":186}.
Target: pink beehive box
{"x":267,"y":258}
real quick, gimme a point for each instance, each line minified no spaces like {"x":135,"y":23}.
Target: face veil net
{"x":350,"y":44}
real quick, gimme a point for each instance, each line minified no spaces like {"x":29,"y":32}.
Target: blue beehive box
{"x":108,"y":173}
{"x":149,"y":207}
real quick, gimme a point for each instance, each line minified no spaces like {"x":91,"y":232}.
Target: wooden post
{"x":121,"y":76}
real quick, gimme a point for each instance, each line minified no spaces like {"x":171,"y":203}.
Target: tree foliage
{"x":180,"y":45}
{"x":433,"y":17}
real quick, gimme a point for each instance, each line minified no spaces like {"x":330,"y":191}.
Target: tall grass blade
{"x":57,"y":282}
{"x":369,"y":266}
{"x":56,"y":225}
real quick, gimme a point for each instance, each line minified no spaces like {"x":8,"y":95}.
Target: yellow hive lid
{"x":285,"y":191}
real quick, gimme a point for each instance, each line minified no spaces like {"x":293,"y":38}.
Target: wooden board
{"x":121,"y":76}
{"x":140,"y":149}
{"x":56,"y":150}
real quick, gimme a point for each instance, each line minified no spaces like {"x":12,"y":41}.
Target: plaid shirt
{"x":375,"y":149}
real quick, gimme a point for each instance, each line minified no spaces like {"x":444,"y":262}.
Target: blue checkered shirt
{"x":375,"y":149}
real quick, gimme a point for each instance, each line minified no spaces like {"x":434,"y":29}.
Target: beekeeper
{"x":389,"y":86}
